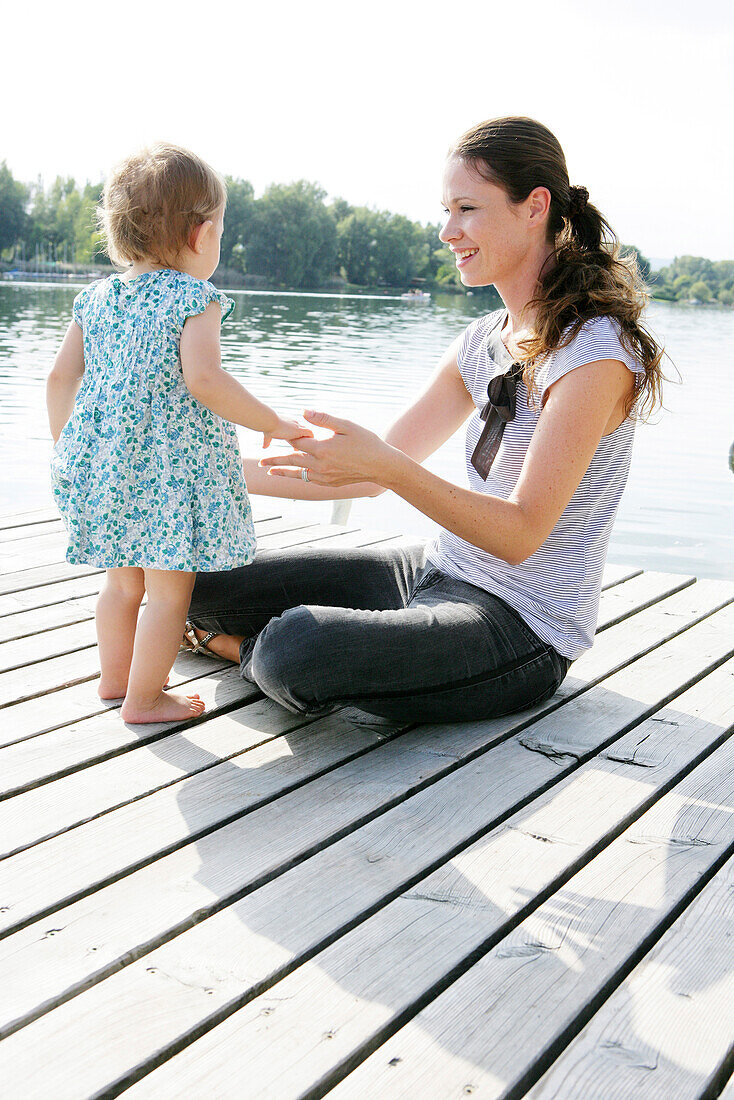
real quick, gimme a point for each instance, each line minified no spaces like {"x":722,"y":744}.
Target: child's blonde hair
{"x":153,"y":200}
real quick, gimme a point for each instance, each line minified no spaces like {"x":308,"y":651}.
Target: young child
{"x":146,"y":469}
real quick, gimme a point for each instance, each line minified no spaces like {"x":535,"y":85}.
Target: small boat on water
{"x":416,"y":296}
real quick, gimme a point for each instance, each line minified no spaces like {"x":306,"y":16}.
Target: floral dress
{"x":143,"y":473}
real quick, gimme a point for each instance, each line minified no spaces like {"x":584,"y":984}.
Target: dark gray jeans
{"x":379,"y":629}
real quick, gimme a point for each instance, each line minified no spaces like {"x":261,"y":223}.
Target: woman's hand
{"x":350,"y":454}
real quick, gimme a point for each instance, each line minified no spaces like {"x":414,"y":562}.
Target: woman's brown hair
{"x":153,"y":200}
{"x":588,"y":276}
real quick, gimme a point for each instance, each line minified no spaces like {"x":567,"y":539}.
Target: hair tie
{"x":578,"y":197}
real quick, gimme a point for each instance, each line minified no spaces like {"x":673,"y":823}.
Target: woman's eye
{"x":466,"y":209}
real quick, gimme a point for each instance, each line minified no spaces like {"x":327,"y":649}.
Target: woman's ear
{"x":198,"y":236}
{"x":539,"y":201}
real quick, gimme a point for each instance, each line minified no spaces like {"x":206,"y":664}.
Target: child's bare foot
{"x":166,"y":708}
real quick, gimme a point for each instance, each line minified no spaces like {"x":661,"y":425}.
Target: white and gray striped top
{"x":556,"y":590}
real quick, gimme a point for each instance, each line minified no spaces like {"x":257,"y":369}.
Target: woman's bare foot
{"x":224,"y":645}
{"x":166,"y":708}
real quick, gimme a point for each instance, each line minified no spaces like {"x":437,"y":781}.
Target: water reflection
{"x":365,"y":357}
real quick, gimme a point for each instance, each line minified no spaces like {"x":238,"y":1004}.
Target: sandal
{"x":191,"y":644}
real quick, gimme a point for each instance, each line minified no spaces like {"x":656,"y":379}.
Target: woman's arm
{"x":575,"y":416}
{"x":65,"y":379}
{"x":208,"y":382}
{"x":421,"y":429}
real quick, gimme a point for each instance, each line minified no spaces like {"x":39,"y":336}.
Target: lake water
{"x":365,"y":358}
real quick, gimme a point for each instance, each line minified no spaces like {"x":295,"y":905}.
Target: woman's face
{"x":486,"y":232}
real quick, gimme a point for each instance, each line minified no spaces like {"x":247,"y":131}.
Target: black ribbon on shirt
{"x":498,"y":411}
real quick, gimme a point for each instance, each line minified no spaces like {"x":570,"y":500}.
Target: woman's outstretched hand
{"x":350,"y":454}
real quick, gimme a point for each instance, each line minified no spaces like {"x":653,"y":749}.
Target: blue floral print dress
{"x":143,"y":473}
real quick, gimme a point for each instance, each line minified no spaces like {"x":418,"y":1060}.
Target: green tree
{"x":393,"y":253}
{"x":678,"y":280}
{"x":356,"y":243}
{"x":701,"y":291}
{"x":88,"y":240}
{"x":13,"y":198}
{"x":682,"y":285}
{"x":293,"y":236}
{"x":340,"y":209}
{"x":237,"y":222}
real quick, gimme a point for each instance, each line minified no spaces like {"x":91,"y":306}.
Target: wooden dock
{"x":260,"y":905}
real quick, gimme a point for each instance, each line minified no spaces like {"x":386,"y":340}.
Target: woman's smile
{"x":464,"y":255}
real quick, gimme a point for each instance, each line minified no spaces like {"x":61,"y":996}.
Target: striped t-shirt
{"x":556,"y":590}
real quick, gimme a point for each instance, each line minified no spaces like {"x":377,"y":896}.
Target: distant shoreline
{"x":669,"y":291}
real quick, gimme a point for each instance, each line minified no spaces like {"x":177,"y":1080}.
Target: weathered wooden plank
{"x":49,"y":595}
{"x":46,"y":548}
{"x":667,"y":1029}
{"x":346,"y":994}
{"x":13,"y":534}
{"x":615,"y":574}
{"x":9,"y":520}
{"x":634,"y":595}
{"x":25,"y":652}
{"x":648,"y":629}
{"x":499,"y":1024}
{"x":40,"y":576}
{"x":26,"y":624}
{"x":40,"y":680}
{"x":319,"y":532}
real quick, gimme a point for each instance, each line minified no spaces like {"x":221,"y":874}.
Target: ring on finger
{"x":304,"y":474}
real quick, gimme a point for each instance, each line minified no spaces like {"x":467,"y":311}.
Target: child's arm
{"x":207,"y":381}
{"x":64,"y":380}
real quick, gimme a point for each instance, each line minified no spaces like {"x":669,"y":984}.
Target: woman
{"x":487,"y":618}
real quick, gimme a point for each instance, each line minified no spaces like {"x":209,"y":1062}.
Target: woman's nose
{"x":448,"y":231}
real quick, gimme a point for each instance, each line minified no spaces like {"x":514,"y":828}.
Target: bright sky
{"x":364,"y":98}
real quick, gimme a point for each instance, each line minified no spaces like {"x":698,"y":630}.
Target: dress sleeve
{"x":196,"y":297}
{"x":77,"y":309}
{"x":597,"y":339}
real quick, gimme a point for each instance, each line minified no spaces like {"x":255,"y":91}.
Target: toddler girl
{"x":146,"y":469}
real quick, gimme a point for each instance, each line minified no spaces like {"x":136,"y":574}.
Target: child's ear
{"x":197,"y":236}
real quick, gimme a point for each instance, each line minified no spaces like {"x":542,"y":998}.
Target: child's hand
{"x":288,"y":430}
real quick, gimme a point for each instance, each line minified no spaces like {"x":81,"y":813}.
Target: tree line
{"x":289,"y":236}
{"x":292,"y":237}
{"x":695,"y":279}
